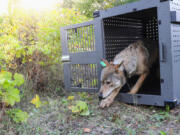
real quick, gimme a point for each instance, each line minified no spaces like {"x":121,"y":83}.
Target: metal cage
{"x":111,"y":31}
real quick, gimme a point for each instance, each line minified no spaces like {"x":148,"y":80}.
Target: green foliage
{"x":9,"y":94}
{"x":9,"y":50}
{"x":87,"y":7}
{"x":68,"y":4}
{"x":18,"y":115}
{"x":162,"y":133}
{"x":80,"y":108}
{"x":161,"y":116}
{"x":83,"y":95}
{"x":167,"y":108}
{"x":131,"y":131}
{"x":18,"y":79}
{"x":64,"y":101}
{"x":30,"y":44}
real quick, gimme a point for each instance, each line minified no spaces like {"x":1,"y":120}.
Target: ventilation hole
{"x":176,"y":43}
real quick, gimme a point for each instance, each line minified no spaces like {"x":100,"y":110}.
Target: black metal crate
{"x":114,"y":29}
{"x":122,"y":30}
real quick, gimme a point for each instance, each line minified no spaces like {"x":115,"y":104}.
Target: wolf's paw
{"x":106,"y":103}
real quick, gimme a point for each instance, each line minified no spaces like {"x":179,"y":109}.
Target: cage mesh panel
{"x":84,"y":76}
{"x":151,"y":28}
{"x":122,"y":30}
{"x":81,"y":39}
{"x":119,"y":33}
{"x":175,"y":5}
{"x":176,"y":42}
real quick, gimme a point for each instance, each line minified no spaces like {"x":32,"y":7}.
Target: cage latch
{"x":96,"y":14}
{"x":175,"y":17}
{"x":134,"y":9}
{"x":171,"y":103}
{"x":65,"y":58}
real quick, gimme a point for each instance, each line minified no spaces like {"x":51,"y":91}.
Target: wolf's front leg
{"x":138,"y":84}
{"x":109,"y":100}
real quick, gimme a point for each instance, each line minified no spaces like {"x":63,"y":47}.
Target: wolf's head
{"x":111,"y":79}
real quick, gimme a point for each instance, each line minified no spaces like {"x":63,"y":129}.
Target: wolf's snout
{"x":100,"y":96}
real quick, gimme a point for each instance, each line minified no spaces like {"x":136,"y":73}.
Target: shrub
{"x":10,"y":94}
{"x":30,"y":44}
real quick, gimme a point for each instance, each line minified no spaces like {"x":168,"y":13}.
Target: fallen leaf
{"x":171,"y":131}
{"x":153,"y":127}
{"x":36,"y":101}
{"x":70,"y":107}
{"x":70,"y":97}
{"x":87,"y":130}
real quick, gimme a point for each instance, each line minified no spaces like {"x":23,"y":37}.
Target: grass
{"x":54,"y":118}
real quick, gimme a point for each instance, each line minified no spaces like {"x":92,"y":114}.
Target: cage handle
{"x":162,"y":53}
{"x":175,"y":17}
{"x":65,"y":58}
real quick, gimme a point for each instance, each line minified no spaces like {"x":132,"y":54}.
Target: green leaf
{"x":6,"y":75}
{"x":18,"y":115}
{"x":81,"y":108}
{"x":18,"y":79}
{"x":2,"y":81}
{"x":11,"y":96}
{"x":7,"y":84}
{"x":85,"y":113}
{"x":162,"y":133}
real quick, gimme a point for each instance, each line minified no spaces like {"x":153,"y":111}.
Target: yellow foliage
{"x":36,"y":101}
{"x":70,"y":98}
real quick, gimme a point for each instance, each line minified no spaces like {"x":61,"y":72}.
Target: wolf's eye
{"x":108,"y":82}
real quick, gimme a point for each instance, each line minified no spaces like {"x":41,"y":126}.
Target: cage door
{"x":80,"y":57}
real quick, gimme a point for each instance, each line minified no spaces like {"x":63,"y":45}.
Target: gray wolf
{"x":136,"y":59}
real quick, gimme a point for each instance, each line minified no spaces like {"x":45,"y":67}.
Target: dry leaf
{"x":70,"y":107}
{"x":87,"y":130}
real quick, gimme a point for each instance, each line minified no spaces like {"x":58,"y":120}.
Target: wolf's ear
{"x":104,"y":63}
{"x":117,"y":66}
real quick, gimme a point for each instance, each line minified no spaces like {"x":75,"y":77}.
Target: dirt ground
{"x":55,"y":118}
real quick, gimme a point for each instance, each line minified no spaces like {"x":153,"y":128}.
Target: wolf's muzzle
{"x":100,"y":96}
